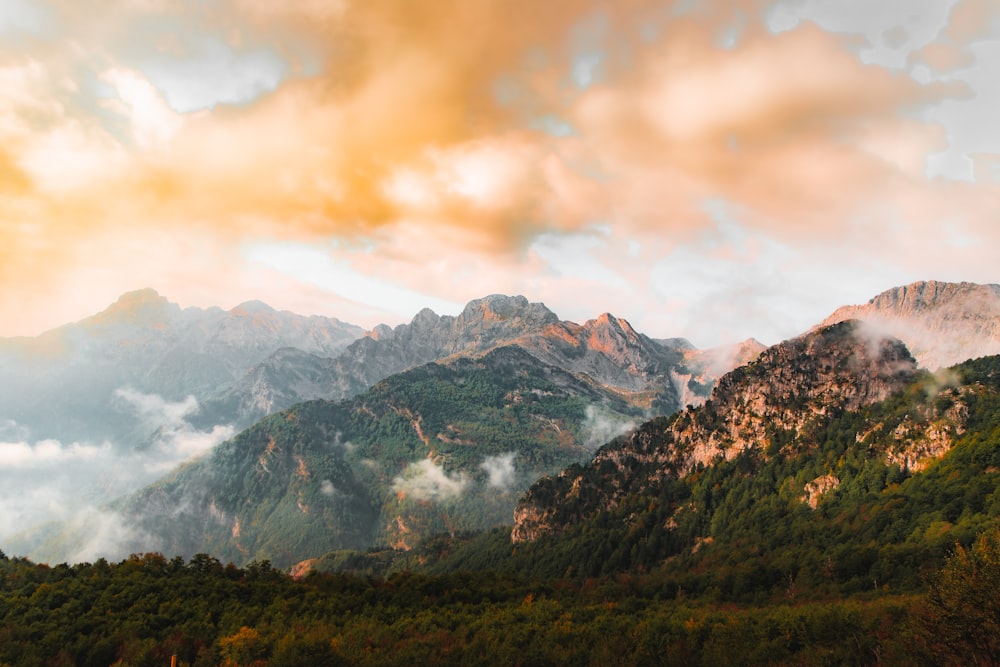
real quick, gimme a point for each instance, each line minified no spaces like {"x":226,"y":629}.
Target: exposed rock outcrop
{"x":790,"y":389}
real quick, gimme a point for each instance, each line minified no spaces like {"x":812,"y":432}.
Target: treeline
{"x":145,"y":609}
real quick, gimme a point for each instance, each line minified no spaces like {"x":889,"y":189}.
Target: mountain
{"x":941,"y":323}
{"x":127,"y":394}
{"x":63,"y":384}
{"x":606,"y":349}
{"x":830,"y":467}
{"x":791,"y":389}
{"x":440,"y":448}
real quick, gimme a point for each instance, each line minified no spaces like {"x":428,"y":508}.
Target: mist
{"x":600,"y":426}
{"x":46,"y":482}
{"x":425,"y":480}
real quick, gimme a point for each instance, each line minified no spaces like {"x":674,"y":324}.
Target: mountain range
{"x":443,"y":425}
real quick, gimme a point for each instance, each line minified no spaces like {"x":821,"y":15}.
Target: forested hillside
{"x":830,"y":512}
{"x":440,"y":448}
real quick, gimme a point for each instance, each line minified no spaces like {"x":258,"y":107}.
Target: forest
{"x":146,"y":609}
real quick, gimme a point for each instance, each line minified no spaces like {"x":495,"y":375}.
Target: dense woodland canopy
{"x":146,"y":608}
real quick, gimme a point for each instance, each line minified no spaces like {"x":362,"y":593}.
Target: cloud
{"x":500,"y":470}
{"x":378,"y":133}
{"x":600,"y":426}
{"x":99,"y":533}
{"x":49,"y":480}
{"x":155,"y":411}
{"x":174,"y":440}
{"x":73,"y":483}
{"x":424,"y":480}
{"x":48,"y":453}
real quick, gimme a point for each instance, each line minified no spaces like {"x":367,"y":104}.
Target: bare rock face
{"x":815,"y":489}
{"x":791,"y":387}
{"x":941,"y":323}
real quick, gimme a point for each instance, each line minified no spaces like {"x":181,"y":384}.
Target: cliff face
{"x":789,"y":390}
{"x":941,"y":323}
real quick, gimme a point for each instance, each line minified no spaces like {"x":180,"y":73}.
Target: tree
{"x":960,"y":619}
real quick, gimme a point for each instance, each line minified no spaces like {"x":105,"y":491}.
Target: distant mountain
{"x":444,"y":447}
{"x":62,"y":384}
{"x":941,"y":323}
{"x":649,"y":373}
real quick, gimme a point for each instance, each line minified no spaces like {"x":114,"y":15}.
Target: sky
{"x":715,"y":170}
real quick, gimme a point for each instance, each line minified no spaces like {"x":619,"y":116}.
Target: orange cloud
{"x":418,"y":120}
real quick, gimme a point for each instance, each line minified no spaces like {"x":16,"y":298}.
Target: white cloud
{"x":48,"y":453}
{"x":47,"y":480}
{"x":174,"y":446}
{"x":99,"y":533}
{"x":155,"y":410}
{"x":500,"y":470}
{"x":426,"y":481}
{"x":601,"y":426}
{"x":153,"y":122}
{"x":213,"y":72}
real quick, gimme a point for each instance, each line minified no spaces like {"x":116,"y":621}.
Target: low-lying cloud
{"x":47,"y":480}
{"x":175,"y":440}
{"x":600,"y":426}
{"x":425,"y":480}
{"x":154,"y":410}
{"x":500,"y":472}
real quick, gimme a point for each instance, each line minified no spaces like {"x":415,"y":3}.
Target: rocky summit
{"x":941,"y":323}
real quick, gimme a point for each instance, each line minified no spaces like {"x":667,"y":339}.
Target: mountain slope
{"x":442,"y":447}
{"x":867,"y":499}
{"x":790,"y":390}
{"x":941,"y":323}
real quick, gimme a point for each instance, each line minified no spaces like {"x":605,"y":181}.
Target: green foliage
{"x":960,"y":620}
{"x":740,"y":529}
{"x":146,"y":608}
{"x":324,"y":476}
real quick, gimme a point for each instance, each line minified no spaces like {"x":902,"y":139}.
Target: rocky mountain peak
{"x":609,"y":322}
{"x":931,"y":294}
{"x":144,"y":308}
{"x":500,"y":308}
{"x":251,"y":308}
{"x":941,"y":323}
{"x":425,"y":318}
